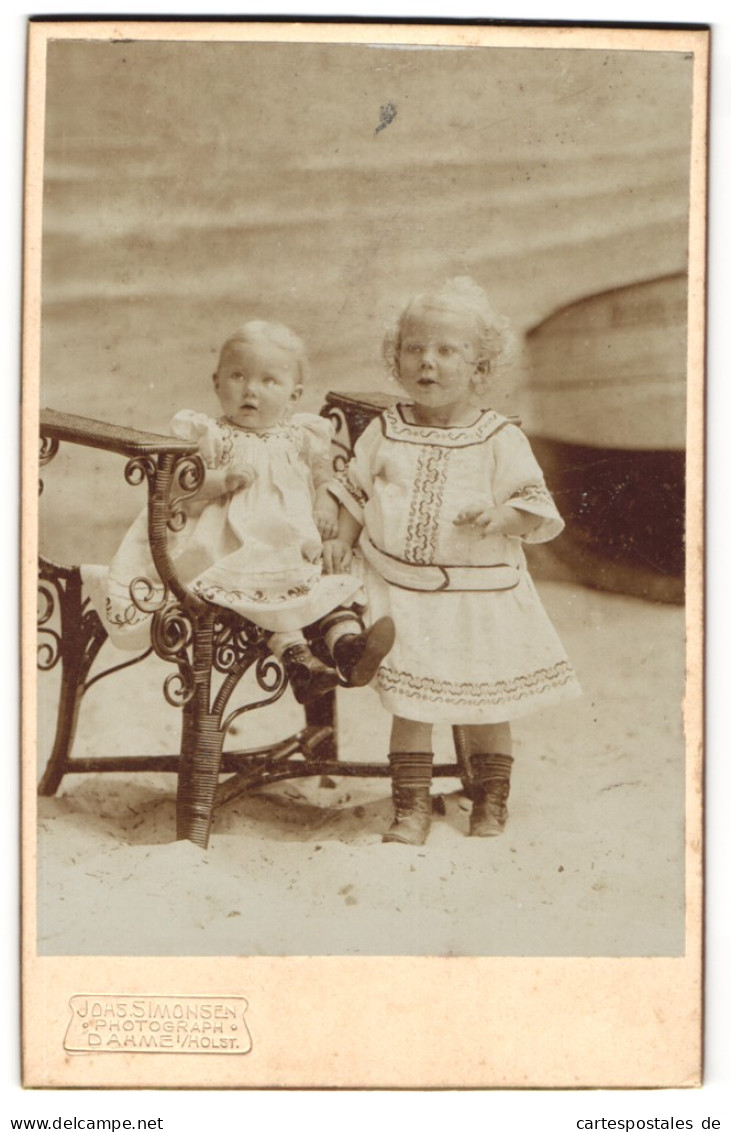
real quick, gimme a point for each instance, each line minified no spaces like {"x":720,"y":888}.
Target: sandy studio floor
{"x":592,"y":861}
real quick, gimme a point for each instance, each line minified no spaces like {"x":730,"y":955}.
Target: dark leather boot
{"x":358,"y":655}
{"x":308,"y":676}
{"x":410,"y":783}
{"x":490,"y":789}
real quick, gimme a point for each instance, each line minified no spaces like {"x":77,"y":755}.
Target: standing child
{"x":441,"y":495}
{"x":253,"y":537}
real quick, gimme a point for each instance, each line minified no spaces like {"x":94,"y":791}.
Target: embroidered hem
{"x":219,"y":595}
{"x":475,"y":694}
{"x":129,"y":616}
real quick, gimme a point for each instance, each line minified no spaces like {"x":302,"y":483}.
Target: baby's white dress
{"x":465,"y":653}
{"x":256,"y":551}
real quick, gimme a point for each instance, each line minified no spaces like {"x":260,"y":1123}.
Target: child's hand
{"x":337,"y":556}
{"x":492,"y":520}
{"x":326,"y":524}
{"x":326,"y":514}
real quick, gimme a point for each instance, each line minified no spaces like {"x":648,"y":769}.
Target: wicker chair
{"x":210,"y":647}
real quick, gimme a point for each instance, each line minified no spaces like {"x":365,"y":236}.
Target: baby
{"x":252,"y":542}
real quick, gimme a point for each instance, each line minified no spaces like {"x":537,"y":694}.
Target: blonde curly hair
{"x":495,"y":343}
{"x":275,"y":332}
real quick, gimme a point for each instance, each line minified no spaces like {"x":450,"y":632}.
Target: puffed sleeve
{"x":189,"y":425}
{"x":353,"y":486}
{"x":316,"y":435}
{"x":518,"y":481}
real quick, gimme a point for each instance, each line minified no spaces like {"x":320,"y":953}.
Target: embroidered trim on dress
{"x":227,"y":453}
{"x":345,"y":481}
{"x":131,"y":615}
{"x":290,"y":430}
{"x":533,"y":493}
{"x":462,"y":436}
{"x":221,"y":596}
{"x":475,"y":694}
{"x":426,"y":504}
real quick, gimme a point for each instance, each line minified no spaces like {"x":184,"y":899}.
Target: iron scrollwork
{"x":239,"y":644}
{"x":79,"y":634}
{"x":49,"y":643}
{"x":236,"y":647}
{"x":188,"y":477}
{"x":139,"y":469}
{"x":271,"y":678}
{"x":147,"y":596}
{"x":172,"y":636}
{"x":341,"y":439}
{"x":48,"y":449}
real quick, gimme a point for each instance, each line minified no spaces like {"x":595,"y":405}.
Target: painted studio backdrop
{"x":192,"y":186}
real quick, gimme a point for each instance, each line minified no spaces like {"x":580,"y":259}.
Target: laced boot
{"x":410,"y":783}
{"x":490,"y":789}
{"x":308,"y":676}
{"x":358,"y":655}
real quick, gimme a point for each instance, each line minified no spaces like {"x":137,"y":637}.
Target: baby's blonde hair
{"x":277,"y":333}
{"x":461,"y":293}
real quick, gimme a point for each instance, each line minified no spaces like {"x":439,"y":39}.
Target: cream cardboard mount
{"x":184,"y":177}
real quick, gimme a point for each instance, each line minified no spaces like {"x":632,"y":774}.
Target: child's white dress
{"x":256,"y":551}
{"x":473,"y":641}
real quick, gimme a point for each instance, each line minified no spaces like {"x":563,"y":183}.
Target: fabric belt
{"x":433,"y":578}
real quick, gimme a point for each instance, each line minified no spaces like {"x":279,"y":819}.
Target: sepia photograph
{"x":363,"y":385}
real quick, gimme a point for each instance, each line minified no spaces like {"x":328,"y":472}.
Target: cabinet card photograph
{"x":363,"y":384}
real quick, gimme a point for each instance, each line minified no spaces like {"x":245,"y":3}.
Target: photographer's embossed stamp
{"x":146,"y":1023}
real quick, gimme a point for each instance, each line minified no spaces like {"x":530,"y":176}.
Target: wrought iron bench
{"x":210,"y":647}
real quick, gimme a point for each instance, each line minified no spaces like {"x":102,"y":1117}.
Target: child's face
{"x":256,"y":384}
{"x":438,"y":356}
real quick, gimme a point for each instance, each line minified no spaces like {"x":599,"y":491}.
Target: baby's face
{"x":257,"y":384}
{"x":438,"y":356}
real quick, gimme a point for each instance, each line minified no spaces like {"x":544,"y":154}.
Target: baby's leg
{"x":356,"y":651}
{"x":280,"y":642}
{"x":308,"y":676}
{"x":411,"y":762}
{"x":489,"y":748}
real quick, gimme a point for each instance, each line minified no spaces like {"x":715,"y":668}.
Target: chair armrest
{"x":356,"y":411}
{"x":128,"y":442}
{"x":173,"y":469}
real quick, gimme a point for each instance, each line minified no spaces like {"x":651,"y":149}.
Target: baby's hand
{"x":490,"y":520}
{"x":237,"y":481}
{"x":210,"y":446}
{"x":337,"y":556}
